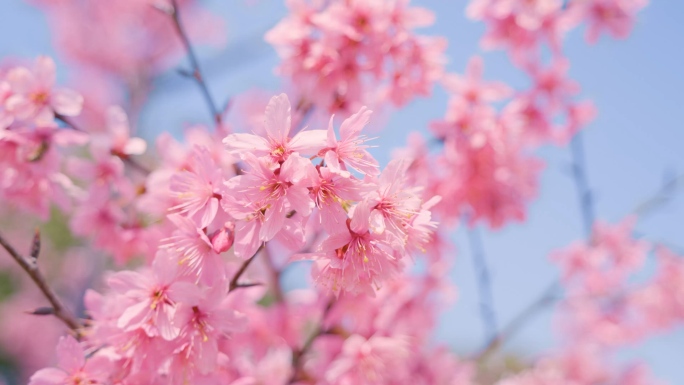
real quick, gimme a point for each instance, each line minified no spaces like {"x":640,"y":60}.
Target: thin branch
{"x":584,"y":194}
{"x":30,"y":266}
{"x":661,"y":196}
{"x":135,"y":165}
{"x":548,"y":297}
{"x":298,"y":354}
{"x":234,"y":282}
{"x":196,"y":73}
{"x":68,"y":122}
{"x":484,"y":282}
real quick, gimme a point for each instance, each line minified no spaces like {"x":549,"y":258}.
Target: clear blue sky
{"x":637,"y":138}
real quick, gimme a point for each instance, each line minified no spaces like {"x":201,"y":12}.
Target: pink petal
{"x":277,"y":118}
{"x":332,"y":161}
{"x":299,"y":200}
{"x":309,"y":142}
{"x":246,"y":238}
{"x":237,"y":143}
{"x":331,"y":139}
{"x":333,"y":217}
{"x":45,"y":71}
{"x":135,"y":146}
{"x":48,"y":376}
{"x":125,"y":280}
{"x":66,"y":102}
{"x":166,"y":329}
{"x":206,"y":355}
{"x":70,"y":355}
{"x":298,"y":170}
{"x":275,"y":218}
{"x":361,"y":218}
{"x":21,"y":80}
{"x":352,"y":126}
{"x":134,"y":314}
{"x":209,"y":212}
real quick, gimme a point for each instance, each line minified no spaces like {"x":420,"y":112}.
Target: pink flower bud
{"x":222,"y":240}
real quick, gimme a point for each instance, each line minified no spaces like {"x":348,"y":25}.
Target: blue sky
{"x":634,"y":142}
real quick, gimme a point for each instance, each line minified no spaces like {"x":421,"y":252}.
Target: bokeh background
{"x":634,"y":147}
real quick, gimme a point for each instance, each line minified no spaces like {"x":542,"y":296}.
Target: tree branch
{"x":584,"y":194}
{"x":484,"y":283}
{"x":234,"y":282}
{"x":30,"y":266}
{"x":196,"y":73}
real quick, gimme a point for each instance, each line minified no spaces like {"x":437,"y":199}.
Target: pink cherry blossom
{"x":72,"y":367}
{"x":277,"y":144}
{"x":197,"y":189}
{"x":34,"y":95}
{"x":350,"y":150}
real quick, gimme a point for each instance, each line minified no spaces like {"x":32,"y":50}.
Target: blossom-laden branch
{"x":30,"y":266}
{"x":549,"y":296}
{"x":196,"y":72}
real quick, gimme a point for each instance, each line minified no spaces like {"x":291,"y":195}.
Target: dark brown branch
{"x":135,"y":165}
{"x":69,"y":123}
{"x":234,"y":282}
{"x":196,"y":72}
{"x":30,"y":266}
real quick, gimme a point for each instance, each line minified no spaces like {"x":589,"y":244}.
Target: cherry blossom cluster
{"x":235,"y":197}
{"x":489,"y":131}
{"x":340,"y":55}
{"x":31,"y":138}
{"x":521,"y":26}
{"x":371,"y":223}
{"x":604,"y":310}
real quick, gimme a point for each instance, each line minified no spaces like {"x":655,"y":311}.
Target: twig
{"x":484,"y":282}
{"x":584,"y":194}
{"x":662,"y":196}
{"x":196,"y":73}
{"x":298,"y":354}
{"x":30,"y":266}
{"x":547,"y":298}
{"x":69,"y":123}
{"x":234,"y":282}
{"x":134,"y":164}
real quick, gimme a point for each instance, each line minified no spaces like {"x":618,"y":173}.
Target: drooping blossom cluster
{"x":340,"y":55}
